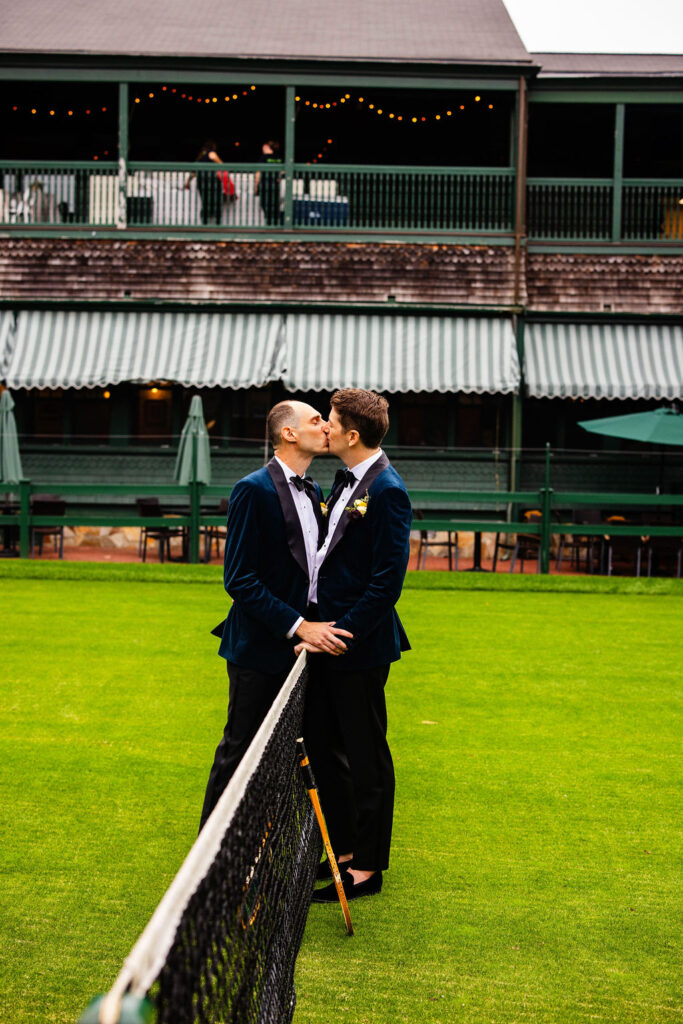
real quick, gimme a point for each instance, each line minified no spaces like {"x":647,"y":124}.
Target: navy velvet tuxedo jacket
{"x":265,"y":572}
{"x":361,"y":578}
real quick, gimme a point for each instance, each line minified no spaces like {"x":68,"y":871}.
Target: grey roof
{"x":609,"y":65}
{"x":478,"y":31}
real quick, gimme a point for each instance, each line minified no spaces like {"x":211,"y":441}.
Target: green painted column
{"x":618,"y":171}
{"x":122,"y":213}
{"x":24,"y":517}
{"x":195,"y":506}
{"x":290,"y":118}
{"x":546,"y":500}
{"x":517,"y":409}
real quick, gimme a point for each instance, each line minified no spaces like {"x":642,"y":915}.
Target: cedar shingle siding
{"x":336,"y":272}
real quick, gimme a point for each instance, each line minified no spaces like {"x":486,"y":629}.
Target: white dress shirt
{"x":309,"y":528}
{"x":335,"y":515}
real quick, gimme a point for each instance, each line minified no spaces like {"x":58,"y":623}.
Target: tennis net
{"x":222,"y":944}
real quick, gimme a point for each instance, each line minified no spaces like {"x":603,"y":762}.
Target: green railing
{"x":339,"y":199}
{"x":600,"y":209}
{"x":446,"y":510}
{"x":256,"y":196}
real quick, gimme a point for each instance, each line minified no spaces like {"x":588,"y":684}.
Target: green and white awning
{"x":604,"y":361}
{"x":54,"y":349}
{"x":401,"y":353}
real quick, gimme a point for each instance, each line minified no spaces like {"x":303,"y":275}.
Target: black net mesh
{"x":233,"y":955}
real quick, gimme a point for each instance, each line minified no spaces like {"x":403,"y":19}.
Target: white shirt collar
{"x":361,"y":468}
{"x":287,"y":470}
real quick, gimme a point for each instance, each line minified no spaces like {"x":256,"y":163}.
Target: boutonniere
{"x":324,"y":509}
{"x":359,"y":507}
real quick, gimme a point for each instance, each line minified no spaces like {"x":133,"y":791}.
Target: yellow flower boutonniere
{"x":359,"y":508}
{"x":324,"y":509}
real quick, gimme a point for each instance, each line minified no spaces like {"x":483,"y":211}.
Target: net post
{"x":309,"y":780}
{"x":126,"y":1009}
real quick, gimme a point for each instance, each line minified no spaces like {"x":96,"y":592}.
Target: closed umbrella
{"x":658,"y":426}
{"x":185,"y":468}
{"x":10,"y":459}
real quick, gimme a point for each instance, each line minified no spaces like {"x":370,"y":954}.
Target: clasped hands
{"x":321,"y":637}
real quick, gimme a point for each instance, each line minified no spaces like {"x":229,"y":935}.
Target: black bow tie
{"x":304,"y":483}
{"x":342,"y":478}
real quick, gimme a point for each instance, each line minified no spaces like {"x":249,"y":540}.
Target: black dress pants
{"x":250,"y":697}
{"x":346,"y":739}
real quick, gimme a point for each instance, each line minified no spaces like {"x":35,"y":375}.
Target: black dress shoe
{"x":325,"y":871}
{"x":352,"y":890}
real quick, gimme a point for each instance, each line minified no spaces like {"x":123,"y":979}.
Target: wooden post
{"x":122,"y":208}
{"x":520,"y":187}
{"x":618,"y":171}
{"x":290,"y":117}
{"x":24,"y":517}
{"x":517,"y":408}
{"x":545,"y":511}
{"x":194,"y":506}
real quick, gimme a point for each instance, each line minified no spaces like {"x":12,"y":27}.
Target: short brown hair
{"x":281,"y":415}
{"x":364,"y":411}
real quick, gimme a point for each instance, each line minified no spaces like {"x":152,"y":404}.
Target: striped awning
{"x":401,"y":353}
{"x":604,"y":361}
{"x":53,"y":349}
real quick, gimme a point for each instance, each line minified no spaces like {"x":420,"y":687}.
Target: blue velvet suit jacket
{"x":361,"y":578}
{"x":265,"y":572}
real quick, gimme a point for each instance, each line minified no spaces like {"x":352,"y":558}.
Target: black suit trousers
{"x":346,"y":739}
{"x":250,"y":697}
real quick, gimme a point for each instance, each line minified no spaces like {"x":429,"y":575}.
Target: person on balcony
{"x":267,"y":183}
{"x":209,"y":185}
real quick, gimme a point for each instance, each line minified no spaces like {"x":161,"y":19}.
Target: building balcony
{"x":337,"y":202}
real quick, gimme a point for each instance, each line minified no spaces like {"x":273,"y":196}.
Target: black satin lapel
{"x":295,"y":537}
{"x":375,"y":469}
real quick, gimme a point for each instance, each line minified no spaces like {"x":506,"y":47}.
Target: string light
{"x":381,"y":112}
{"x":318,"y":105}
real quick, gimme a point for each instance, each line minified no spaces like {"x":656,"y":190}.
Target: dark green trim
{"x":605,"y":248}
{"x":385,"y":75}
{"x":526,"y":315}
{"x":655,"y":93}
{"x":532,"y":316}
{"x":263,"y":235}
{"x":263,"y":305}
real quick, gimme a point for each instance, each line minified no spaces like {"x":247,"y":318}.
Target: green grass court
{"x":536,"y":734}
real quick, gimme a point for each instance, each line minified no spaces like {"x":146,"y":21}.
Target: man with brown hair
{"x":360,"y":571}
{"x":274,"y":521}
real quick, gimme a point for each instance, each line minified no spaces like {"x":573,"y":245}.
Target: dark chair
{"x":215,"y":533}
{"x":148,"y":508}
{"x":507,"y":543}
{"x":527,"y":545}
{"x":451,"y":544}
{"x":47,"y":505}
{"x":575,"y":543}
{"x":665,"y":556}
{"x":524,"y":546}
{"x":626,"y":552}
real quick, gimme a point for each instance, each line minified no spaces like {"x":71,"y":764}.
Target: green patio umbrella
{"x":194,"y":428}
{"x":10,"y":460}
{"x":658,"y":426}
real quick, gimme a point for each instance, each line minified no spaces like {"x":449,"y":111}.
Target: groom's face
{"x":336,"y":434}
{"x":311,"y":430}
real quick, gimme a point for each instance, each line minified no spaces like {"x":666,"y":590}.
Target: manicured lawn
{"x":536,"y":858}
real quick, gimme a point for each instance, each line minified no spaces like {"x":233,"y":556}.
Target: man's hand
{"x":323,"y":636}
{"x":303,"y":646}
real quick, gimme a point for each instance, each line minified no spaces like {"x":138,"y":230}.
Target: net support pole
{"x":309,"y":779}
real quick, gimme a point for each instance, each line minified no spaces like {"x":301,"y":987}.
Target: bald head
{"x":292,"y":417}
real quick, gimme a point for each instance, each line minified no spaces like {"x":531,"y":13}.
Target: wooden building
{"x":494,"y":238}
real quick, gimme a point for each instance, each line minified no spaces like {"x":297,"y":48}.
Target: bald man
{"x":274,"y":519}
